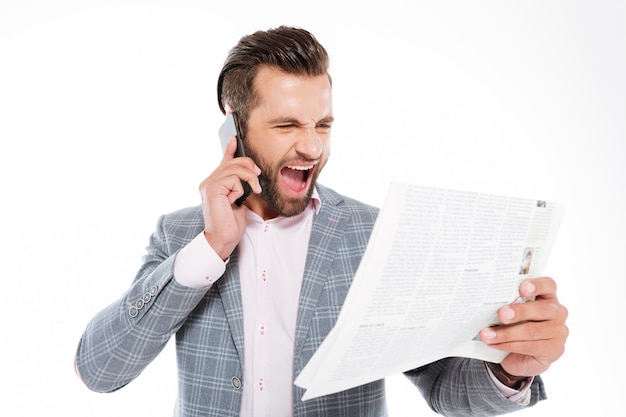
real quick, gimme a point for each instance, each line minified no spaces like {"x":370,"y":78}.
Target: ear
{"x":229,"y":108}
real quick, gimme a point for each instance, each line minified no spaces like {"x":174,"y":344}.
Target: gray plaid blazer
{"x":121,"y":340}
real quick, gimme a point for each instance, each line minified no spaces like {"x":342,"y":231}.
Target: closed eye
{"x":323,"y":126}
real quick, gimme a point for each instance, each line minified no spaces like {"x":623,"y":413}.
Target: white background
{"x":108,"y":118}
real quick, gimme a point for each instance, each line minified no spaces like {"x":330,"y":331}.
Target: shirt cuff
{"x":521,"y":396}
{"x":197,"y":265}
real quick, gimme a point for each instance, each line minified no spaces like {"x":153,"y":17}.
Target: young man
{"x":251,"y":291}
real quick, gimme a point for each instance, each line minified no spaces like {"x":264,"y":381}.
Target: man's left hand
{"x":534,"y":332}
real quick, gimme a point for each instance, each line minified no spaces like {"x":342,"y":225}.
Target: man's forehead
{"x":283,"y":95}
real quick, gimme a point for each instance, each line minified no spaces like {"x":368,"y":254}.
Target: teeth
{"x":298,"y":168}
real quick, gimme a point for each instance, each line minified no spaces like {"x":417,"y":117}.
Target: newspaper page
{"x":437,"y":267}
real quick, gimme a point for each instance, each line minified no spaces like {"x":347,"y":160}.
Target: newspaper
{"x":437,"y":267}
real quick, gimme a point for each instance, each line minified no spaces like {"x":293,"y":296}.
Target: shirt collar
{"x":315,"y":202}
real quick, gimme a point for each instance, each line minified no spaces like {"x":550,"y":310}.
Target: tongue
{"x":293,"y":178}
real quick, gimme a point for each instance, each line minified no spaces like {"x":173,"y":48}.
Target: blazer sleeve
{"x":123,"y":338}
{"x":462,"y":387}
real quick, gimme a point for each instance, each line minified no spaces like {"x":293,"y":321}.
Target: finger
{"x":232,"y":187}
{"x":236,"y":190}
{"x":231,"y":148}
{"x":227,"y":179}
{"x":249,"y":172}
{"x":532,"y":311}
{"x":243,"y":168}
{"x":544,"y":287}
{"x":524,"y":332}
{"x":543,"y":304}
{"x":545,"y":344}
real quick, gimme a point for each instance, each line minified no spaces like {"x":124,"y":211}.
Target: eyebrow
{"x":293,"y":120}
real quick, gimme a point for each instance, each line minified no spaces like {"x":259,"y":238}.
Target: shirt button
{"x":236,"y":382}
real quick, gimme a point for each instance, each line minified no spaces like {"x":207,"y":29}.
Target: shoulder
{"x":186,"y":222}
{"x":188,"y":215}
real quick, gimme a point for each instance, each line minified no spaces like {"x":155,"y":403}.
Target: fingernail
{"x":529,"y":288}
{"x":507,"y":313}
{"x":489,"y":334}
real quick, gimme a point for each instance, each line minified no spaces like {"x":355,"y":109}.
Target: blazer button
{"x":133,"y":311}
{"x":236,"y":382}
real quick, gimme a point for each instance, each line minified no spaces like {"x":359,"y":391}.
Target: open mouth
{"x":297,"y":177}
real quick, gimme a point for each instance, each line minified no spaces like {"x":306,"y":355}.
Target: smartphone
{"x":229,"y":128}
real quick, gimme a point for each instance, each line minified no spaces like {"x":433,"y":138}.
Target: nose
{"x":309,"y":143}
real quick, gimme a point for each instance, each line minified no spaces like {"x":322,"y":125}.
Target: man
{"x":251,"y":291}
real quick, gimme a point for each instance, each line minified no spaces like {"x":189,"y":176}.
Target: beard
{"x":269,"y":178}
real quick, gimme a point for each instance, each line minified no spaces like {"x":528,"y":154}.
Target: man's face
{"x":288,"y":137}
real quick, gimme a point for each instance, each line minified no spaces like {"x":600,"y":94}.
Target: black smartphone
{"x":229,"y":128}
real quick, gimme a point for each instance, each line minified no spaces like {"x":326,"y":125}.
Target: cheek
{"x":325,"y":156}
{"x":265,"y":157}
{"x":326,"y":146}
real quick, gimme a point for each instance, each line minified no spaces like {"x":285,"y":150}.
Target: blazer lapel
{"x":326,"y":234}
{"x":229,"y":288}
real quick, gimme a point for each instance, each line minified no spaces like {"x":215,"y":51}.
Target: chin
{"x":289,"y":206}
{"x":293,"y":207}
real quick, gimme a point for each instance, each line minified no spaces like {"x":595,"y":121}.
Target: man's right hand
{"x":224,"y":222}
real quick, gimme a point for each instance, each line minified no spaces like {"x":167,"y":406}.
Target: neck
{"x":259,"y":206}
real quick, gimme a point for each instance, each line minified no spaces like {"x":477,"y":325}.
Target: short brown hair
{"x":292,"y":50}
